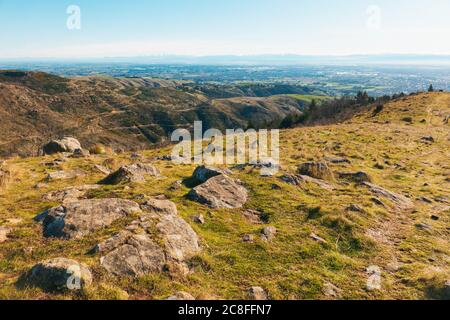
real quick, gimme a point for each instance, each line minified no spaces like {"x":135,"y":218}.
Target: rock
{"x":331,"y":291}
{"x":182,"y":296}
{"x":65,"y":175}
{"x":220,"y":192}
{"x":59,"y":274}
{"x":5,"y":177}
{"x":257,"y":294}
{"x":318,"y":170}
{"x":378,"y":202}
{"x":80,"y":218}
{"x":400,"y":202}
{"x":425,"y":199}
{"x":269,"y":233}
{"x":248,"y":238}
{"x":337,"y":160}
{"x":428,"y":139}
{"x":204,"y":173}
{"x":302,"y":181}
{"x":317,"y":238}
{"x":135,"y":173}
{"x":393,"y":267}
{"x":434,"y":218}
{"x":357,"y":177}
{"x":102,"y":169}
{"x":80,"y":153}
{"x":254,"y":216}
{"x":176,"y":185}
{"x":4,"y":232}
{"x":67,"y":144}
{"x":159,"y":238}
{"x":355,"y":208}
{"x":423,"y":226}
{"x":199,"y":219}
{"x":69,"y":194}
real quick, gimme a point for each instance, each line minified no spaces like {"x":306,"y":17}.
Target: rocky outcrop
{"x":67,"y":144}
{"x":65,"y":175}
{"x":399,"y":201}
{"x":135,"y":173}
{"x":68,"y":195}
{"x":204,"y":173}
{"x":220,"y":192}
{"x":80,"y":218}
{"x":159,"y":239}
{"x":317,"y":170}
{"x":302,"y":181}
{"x":59,"y":274}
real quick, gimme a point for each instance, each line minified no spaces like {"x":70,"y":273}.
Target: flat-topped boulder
{"x":317,"y":170}
{"x":220,"y":192}
{"x":66,"y":144}
{"x":59,"y":274}
{"x":134,"y":173}
{"x":80,"y":218}
{"x":204,"y":173}
{"x":158,"y":239}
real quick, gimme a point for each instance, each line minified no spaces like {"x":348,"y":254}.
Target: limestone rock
{"x":80,"y":218}
{"x":135,"y":173}
{"x":220,"y":192}
{"x":59,"y":274}
{"x":67,"y":144}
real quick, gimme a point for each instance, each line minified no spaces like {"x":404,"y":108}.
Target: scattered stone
{"x":176,"y":185}
{"x":220,"y":192}
{"x":318,"y":170}
{"x":67,"y":144}
{"x":317,"y":238}
{"x":331,"y":291}
{"x":199,"y":219}
{"x":425,"y":199}
{"x":428,"y":139}
{"x":248,"y":238}
{"x":423,"y":226}
{"x":80,"y":153}
{"x":378,"y":202}
{"x":65,"y":175}
{"x":254,"y":216}
{"x":434,"y":218}
{"x":80,"y":218}
{"x":134,"y":173}
{"x":393,"y":267}
{"x":401,"y":202}
{"x":302,"y":181}
{"x":69,"y":194}
{"x":102,"y":169}
{"x":204,"y":173}
{"x":269,"y":233}
{"x":158,"y":239}
{"x":379,"y":166}
{"x":4,"y":232}
{"x":257,"y":294}
{"x":59,"y":274}
{"x":181,"y":296}
{"x":337,"y":160}
{"x":356,"y":177}
{"x":355,"y":208}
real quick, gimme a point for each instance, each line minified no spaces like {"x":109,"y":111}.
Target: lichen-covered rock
{"x":59,"y":274}
{"x":204,"y":173}
{"x":80,"y":218}
{"x":135,"y":173}
{"x":67,"y":144}
{"x":220,"y":192}
{"x":318,"y":170}
{"x":158,"y":239}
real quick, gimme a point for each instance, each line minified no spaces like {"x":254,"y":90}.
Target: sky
{"x":116,"y":28}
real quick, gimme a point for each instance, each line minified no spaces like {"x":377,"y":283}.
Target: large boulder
{"x":59,"y":274}
{"x":160,"y":238}
{"x":220,"y":192}
{"x":135,"y":173}
{"x":317,"y":170}
{"x":66,"y":144}
{"x":204,"y":173}
{"x":80,"y":218}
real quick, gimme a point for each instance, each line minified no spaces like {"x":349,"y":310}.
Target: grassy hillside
{"x":392,"y":145}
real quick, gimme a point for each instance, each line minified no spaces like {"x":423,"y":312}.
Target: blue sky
{"x":37,"y":28}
